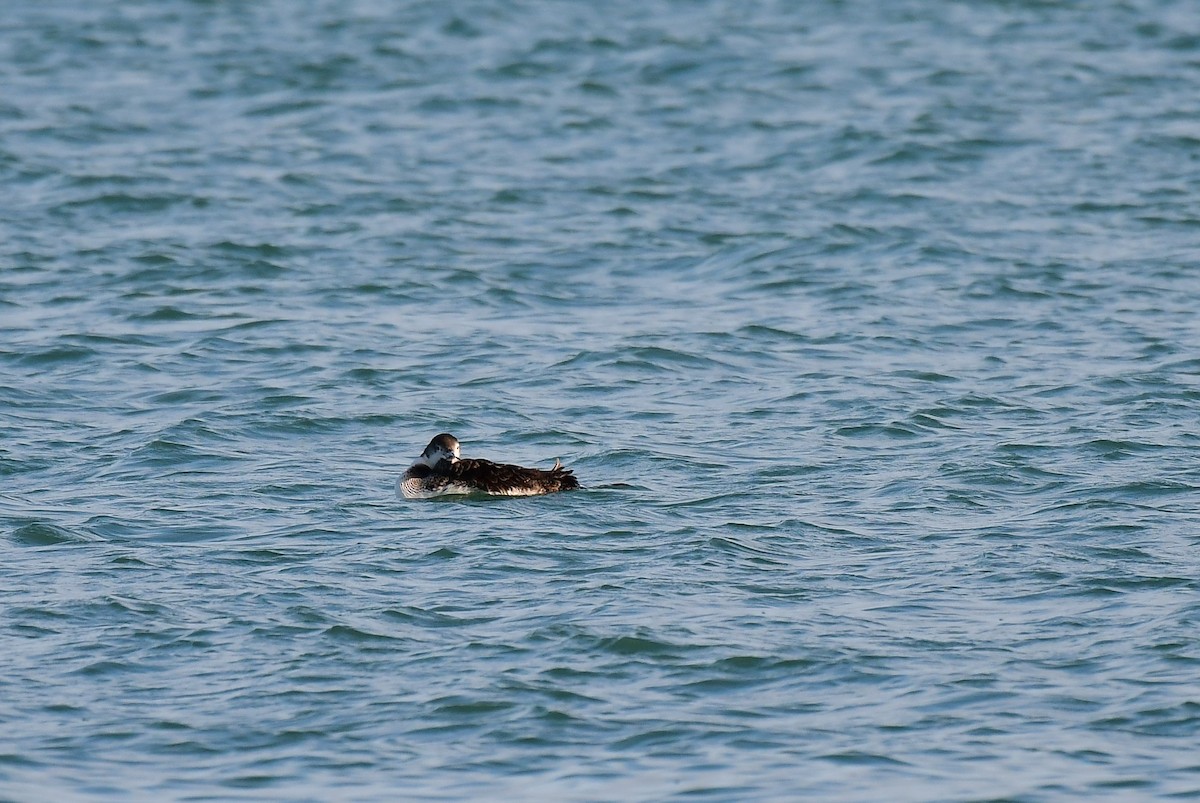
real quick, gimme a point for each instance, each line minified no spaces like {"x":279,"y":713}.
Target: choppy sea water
{"x":871,"y":330}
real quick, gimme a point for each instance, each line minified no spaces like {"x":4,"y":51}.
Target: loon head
{"x":442,"y":447}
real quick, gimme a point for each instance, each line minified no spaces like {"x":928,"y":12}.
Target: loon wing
{"x":504,"y":478}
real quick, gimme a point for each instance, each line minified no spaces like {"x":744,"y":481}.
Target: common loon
{"x":439,"y":471}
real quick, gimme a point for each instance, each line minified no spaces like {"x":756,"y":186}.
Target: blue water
{"x":870,"y":328}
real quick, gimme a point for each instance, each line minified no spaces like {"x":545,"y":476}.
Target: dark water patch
{"x":893,"y":431}
{"x":252,"y":252}
{"x":111,"y":528}
{"x":639,"y":646}
{"x":931,"y":421}
{"x":284,"y":423}
{"x":1107,"y":449}
{"x":285,"y":108}
{"x":925,"y":376}
{"x":11,"y":466}
{"x":435,"y":619}
{"x":1176,"y":720}
{"x":640,"y":360}
{"x":168,"y":314}
{"x":59,"y":355}
{"x":121,"y":202}
{"x":132,"y":562}
{"x":859,"y":758}
{"x":458,"y":707}
{"x":1149,"y":489}
{"x":757,"y":554}
{"x":39,"y":533}
{"x":156,"y":260}
{"x":1124,"y":584}
{"x":171,"y":453}
{"x":714,"y":501}
{"x":355,"y":635}
{"x":188,"y":533}
{"x":187,"y":396}
{"x":104,"y":669}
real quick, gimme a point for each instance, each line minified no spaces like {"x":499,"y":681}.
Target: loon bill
{"x":439,"y":471}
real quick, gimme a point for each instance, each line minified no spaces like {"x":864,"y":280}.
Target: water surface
{"x":870,"y":330}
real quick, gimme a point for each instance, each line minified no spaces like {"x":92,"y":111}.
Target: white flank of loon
{"x":441,"y":471}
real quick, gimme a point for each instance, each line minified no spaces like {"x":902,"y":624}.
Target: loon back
{"x":504,"y":479}
{"x":440,"y":472}
{"x":424,"y":481}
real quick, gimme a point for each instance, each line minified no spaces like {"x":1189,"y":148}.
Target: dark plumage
{"x":504,"y":478}
{"x":439,"y":471}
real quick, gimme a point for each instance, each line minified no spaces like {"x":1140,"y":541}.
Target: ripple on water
{"x":39,"y":533}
